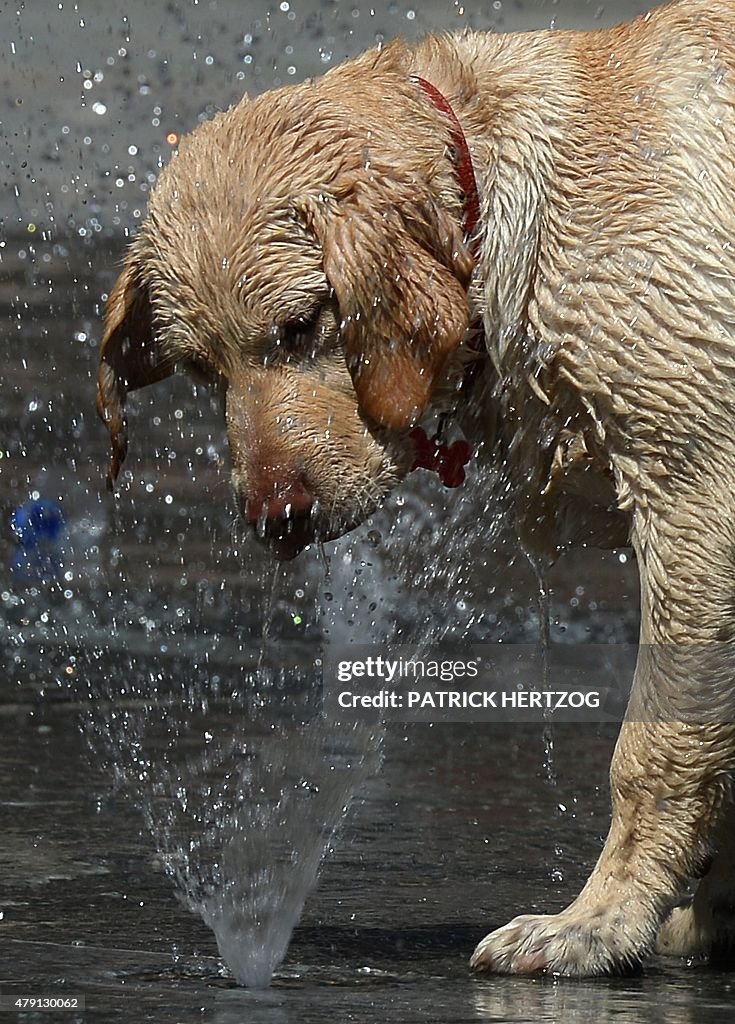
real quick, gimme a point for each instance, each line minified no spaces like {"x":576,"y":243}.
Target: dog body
{"x":305,"y":251}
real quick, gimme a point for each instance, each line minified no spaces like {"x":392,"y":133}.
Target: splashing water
{"x":271,"y":853}
{"x":243,"y":782}
{"x":243,"y":794}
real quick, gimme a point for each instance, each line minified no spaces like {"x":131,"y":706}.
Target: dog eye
{"x":299,"y":331}
{"x":305,"y":336}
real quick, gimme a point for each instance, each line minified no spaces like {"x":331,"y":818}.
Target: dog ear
{"x":399,"y":269}
{"x":130,"y":358}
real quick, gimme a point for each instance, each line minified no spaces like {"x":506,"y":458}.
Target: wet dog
{"x":326,"y":254}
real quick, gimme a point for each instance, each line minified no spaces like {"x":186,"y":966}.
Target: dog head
{"x":303,"y":255}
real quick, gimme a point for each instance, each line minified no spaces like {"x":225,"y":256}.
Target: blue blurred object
{"x":38,"y":526}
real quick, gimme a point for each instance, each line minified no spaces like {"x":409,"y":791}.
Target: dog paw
{"x":564,"y":944}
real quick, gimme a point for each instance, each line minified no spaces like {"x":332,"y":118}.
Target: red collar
{"x":464,"y":170}
{"x":448,"y":461}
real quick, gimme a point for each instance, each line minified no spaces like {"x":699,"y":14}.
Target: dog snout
{"x":281,"y":513}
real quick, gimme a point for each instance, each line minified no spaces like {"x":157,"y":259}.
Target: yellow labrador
{"x":326,"y":252}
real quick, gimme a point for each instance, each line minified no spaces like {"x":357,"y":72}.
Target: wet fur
{"x":606,"y":284}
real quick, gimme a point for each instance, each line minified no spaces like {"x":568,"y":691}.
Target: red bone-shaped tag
{"x":447,"y":460}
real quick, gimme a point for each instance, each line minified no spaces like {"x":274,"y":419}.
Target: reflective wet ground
{"x":158,"y":672}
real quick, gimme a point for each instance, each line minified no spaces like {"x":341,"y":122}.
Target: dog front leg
{"x":657,"y":842}
{"x":670,"y":780}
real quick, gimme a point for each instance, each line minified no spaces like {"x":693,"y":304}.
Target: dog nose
{"x":290,"y":500}
{"x":282,"y":516}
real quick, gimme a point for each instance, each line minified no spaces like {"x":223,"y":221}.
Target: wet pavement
{"x":158,"y":671}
